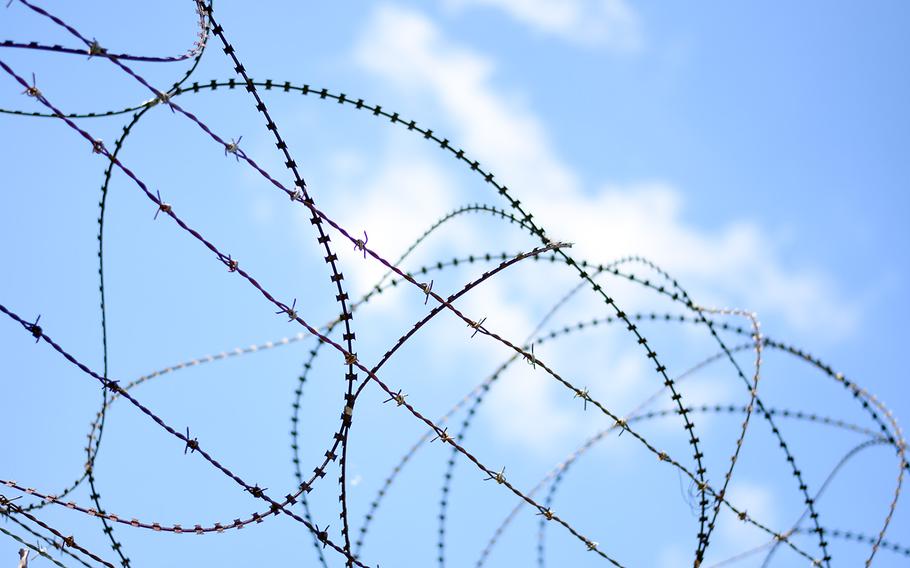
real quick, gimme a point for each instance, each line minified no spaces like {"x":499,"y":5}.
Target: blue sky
{"x":756,"y":152}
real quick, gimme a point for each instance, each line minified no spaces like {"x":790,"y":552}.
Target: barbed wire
{"x":711,"y":496}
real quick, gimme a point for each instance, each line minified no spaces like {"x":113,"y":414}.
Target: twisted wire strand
{"x":515,"y":204}
{"x":226,"y":259}
{"x":95,"y":48}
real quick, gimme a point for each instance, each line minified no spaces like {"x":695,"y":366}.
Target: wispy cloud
{"x":611,"y":24}
{"x":735,"y":262}
{"x":732,"y":263}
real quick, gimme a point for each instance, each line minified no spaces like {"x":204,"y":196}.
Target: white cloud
{"x":733,"y":264}
{"x":405,"y":48}
{"x":736,"y":264}
{"x":521,"y":409}
{"x":609,"y":23}
{"x":364,"y":203}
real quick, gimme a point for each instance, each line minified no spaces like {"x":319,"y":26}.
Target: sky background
{"x":757,"y":152}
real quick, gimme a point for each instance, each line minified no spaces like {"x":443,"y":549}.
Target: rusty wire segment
{"x":346,"y":544}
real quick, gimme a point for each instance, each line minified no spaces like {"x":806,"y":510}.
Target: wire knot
{"x":164,"y":98}
{"x":583,"y":394}
{"x":476,"y":325}
{"x":162,"y":206}
{"x":622,"y":425}
{"x":256,"y":491}
{"x":192,"y":444}
{"x":361,"y":244}
{"x":291,"y":312}
{"x":530,"y":358}
{"x":233,"y":148}
{"x":32,"y":90}
{"x":500,"y":478}
{"x":427,"y":288}
{"x":443,"y":436}
{"x":35,"y":329}
{"x":397,"y":397}
{"x":95,"y":48}
{"x":323,"y":535}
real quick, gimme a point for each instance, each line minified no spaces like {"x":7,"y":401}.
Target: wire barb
{"x":290,"y":311}
{"x":398,"y":398}
{"x":257,"y":491}
{"x":556,"y":245}
{"x":443,"y":436}
{"x":233,"y":147}
{"x":361,"y":244}
{"x":35,"y":329}
{"x":529,"y":357}
{"x":476,"y":325}
{"x":583,"y":394}
{"x":322,"y":535}
{"x":192,"y":444}
{"x":499,"y":477}
{"x":32,"y":90}
{"x":427,"y":288}
{"x":162,"y":206}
